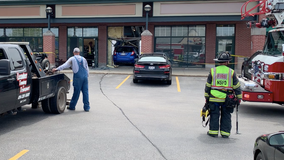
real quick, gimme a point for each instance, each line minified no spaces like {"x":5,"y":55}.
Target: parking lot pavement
{"x":146,"y":120}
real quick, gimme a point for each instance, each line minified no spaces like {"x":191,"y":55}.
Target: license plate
{"x":123,"y":54}
{"x":151,"y":67}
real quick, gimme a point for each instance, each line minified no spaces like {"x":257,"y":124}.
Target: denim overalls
{"x":80,"y":83}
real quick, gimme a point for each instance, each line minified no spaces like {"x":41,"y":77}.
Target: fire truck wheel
{"x":45,"y":64}
{"x":58,"y":102}
{"x":45,"y":106}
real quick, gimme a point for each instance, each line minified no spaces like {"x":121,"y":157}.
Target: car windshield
{"x":124,"y":49}
{"x":152,"y":59}
{"x":274,"y":43}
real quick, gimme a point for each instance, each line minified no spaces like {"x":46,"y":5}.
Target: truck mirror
{"x":5,"y":68}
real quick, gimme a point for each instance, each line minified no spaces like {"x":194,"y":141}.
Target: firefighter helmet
{"x":223,"y":57}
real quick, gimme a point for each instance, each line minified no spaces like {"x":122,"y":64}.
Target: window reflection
{"x":185,"y":45}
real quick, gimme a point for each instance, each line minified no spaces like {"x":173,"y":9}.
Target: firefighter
{"x":221,"y":82}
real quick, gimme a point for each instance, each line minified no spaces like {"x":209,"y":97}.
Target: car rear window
{"x":124,"y":49}
{"x":152,"y":59}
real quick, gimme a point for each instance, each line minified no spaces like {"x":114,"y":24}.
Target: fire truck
{"x":266,"y":83}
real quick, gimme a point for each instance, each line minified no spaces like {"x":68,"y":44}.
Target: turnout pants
{"x":217,"y":109}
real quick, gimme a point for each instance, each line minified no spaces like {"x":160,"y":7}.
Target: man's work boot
{"x":212,"y":135}
{"x":223,"y":136}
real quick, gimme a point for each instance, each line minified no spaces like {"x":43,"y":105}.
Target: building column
{"x":62,"y":41}
{"x":102,"y":46}
{"x":146,"y":42}
{"x":210,"y":45}
{"x":49,"y":47}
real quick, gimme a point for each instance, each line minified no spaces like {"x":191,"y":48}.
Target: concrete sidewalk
{"x":128,"y":70}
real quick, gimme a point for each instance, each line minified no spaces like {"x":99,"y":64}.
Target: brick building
{"x":191,"y":32}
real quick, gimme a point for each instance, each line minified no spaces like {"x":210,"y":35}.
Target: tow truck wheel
{"x":45,"y":64}
{"x":58,"y":102}
{"x":45,"y":106}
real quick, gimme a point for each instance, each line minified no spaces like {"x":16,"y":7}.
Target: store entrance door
{"x":90,"y":51}
{"x":226,"y":45}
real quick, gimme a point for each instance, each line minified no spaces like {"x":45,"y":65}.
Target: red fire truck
{"x":266,"y":83}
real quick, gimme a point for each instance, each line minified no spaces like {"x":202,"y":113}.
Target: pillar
{"x":49,"y":47}
{"x":146,"y":42}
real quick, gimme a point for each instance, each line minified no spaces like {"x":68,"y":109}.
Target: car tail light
{"x":165,"y":67}
{"x":167,"y":72}
{"x":132,"y":53}
{"x":136,"y":71}
{"x":139,"y":66}
{"x":114,"y":52}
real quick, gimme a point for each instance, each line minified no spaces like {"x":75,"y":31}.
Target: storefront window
{"x":162,"y":31}
{"x":85,"y":39}
{"x":2,"y":32}
{"x":33,"y":32}
{"x":225,"y":30}
{"x":14,"y":32}
{"x":90,"y":32}
{"x":185,"y":45}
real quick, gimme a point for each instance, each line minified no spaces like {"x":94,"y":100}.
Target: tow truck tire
{"x":45,"y":64}
{"x":58,"y":102}
{"x":45,"y":106}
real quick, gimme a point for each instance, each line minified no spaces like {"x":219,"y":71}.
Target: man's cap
{"x":76,"y":50}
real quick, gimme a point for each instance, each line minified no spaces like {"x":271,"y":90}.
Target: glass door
{"x":226,"y":45}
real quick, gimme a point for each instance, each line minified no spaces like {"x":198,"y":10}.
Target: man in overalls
{"x":80,"y":78}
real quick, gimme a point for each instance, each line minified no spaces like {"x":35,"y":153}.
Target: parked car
{"x":247,"y":66}
{"x":125,"y":54}
{"x":269,"y":146}
{"x":154,"y":66}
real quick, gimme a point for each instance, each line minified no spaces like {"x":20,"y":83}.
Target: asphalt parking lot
{"x":147,"y":120}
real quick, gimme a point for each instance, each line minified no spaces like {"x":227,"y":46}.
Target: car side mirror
{"x":277,"y":140}
{"x":5,"y":68}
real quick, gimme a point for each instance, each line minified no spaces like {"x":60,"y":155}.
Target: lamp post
{"x":48,"y":10}
{"x":147,"y":8}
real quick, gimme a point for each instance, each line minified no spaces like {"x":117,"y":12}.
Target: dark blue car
{"x":124,"y":54}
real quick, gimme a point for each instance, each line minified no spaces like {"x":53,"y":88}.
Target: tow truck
{"x":23,"y":81}
{"x":267,"y":68}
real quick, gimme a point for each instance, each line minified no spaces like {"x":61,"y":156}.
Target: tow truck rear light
{"x":165,"y":67}
{"x":139,"y":66}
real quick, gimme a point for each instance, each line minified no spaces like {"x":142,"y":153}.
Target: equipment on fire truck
{"x":267,"y":68}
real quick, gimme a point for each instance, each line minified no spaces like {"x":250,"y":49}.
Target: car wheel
{"x":169,"y":82}
{"x":58,"y":102}
{"x":135,"y":80}
{"x":259,"y":156}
